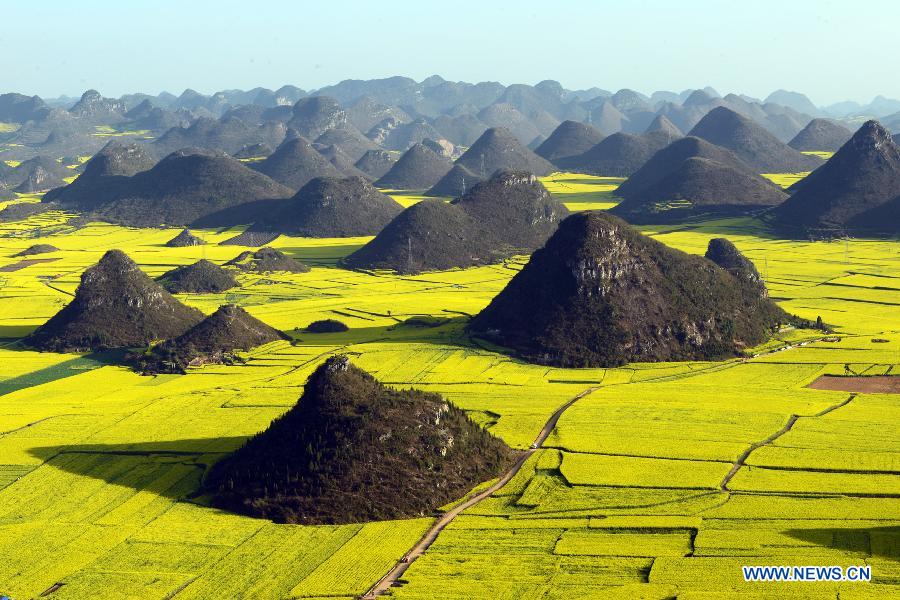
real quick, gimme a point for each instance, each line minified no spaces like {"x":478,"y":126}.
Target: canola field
{"x":661,"y":482}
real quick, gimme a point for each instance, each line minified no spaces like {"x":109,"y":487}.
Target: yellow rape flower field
{"x":661,"y":481}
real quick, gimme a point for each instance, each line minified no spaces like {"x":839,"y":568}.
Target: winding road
{"x":385,"y":583}
{"x":394,"y":575}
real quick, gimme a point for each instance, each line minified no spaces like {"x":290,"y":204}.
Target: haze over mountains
{"x":858,"y":189}
{"x":242,"y":158}
{"x":393,"y":113}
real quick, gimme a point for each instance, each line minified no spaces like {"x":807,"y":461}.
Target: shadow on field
{"x":172,"y":468}
{"x":883,"y":542}
{"x":11,"y":333}
{"x":411,"y":329}
{"x":76,"y":366}
{"x":321,"y":255}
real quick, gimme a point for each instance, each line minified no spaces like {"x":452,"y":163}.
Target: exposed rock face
{"x":265,"y":260}
{"x":858,"y":189}
{"x":601,"y":294}
{"x":496,"y":149}
{"x":36,"y":174}
{"x":752,"y":143}
{"x":332,"y":207}
{"x":440,"y":146}
{"x":365,"y":113}
{"x":314,"y":115}
{"x":418,"y":169}
{"x":821,"y":135}
{"x":510,"y":213}
{"x":201,"y":277}
{"x":375,"y":163}
{"x":408,"y":451}
{"x":116,"y":306}
{"x":394,"y":135}
{"x":294,"y":163}
{"x":185,"y":239}
{"x":39,"y":179}
{"x":349,"y":139}
{"x":569,"y":139}
{"x":214,"y":340}
{"x":690,"y":178}
{"x":515,"y":210}
{"x":95,"y":108}
{"x":725,"y":254}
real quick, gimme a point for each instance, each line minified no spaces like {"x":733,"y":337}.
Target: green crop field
{"x":660,"y":482}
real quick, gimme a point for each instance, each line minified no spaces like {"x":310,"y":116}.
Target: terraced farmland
{"x":662,"y":482}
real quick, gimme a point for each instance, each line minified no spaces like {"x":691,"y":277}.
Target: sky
{"x":830,"y":50}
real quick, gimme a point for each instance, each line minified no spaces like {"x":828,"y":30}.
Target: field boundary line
{"x":392,"y":576}
{"x":742,"y":459}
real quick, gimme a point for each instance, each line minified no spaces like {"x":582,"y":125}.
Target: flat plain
{"x":660,"y":482}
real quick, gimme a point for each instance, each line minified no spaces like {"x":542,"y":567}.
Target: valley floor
{"x":661,"y":482}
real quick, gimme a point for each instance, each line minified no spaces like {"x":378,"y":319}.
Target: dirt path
{"x":742,"y":459}
{"x":385,"y":583}
{"x":391,"y":578}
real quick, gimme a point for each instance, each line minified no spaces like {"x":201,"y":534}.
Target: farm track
{"x":742,"y":459}
{"x":391,"y":578}
{"x":394,"y":575}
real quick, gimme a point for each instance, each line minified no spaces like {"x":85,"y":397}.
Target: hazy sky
{"x":828,"y":49}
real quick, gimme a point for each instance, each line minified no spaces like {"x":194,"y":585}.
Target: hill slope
{"x":418,"y":169}
{"x":601,"y":294}
{"x":569,"y":139}
{"x":104,"y":176}
{"x":857,"y":189}
{"x":115,"y":306}
{"x":618,"y":155}
{"x":332,"y":207}
{"x":692,"y":177}
{"x":181,"y":188}
{"x":821,"y":135}
{"x":752,"y":143}
{"x":201,"y":277}
{"x":294,"y":163}
{"x":496,"y":149}
{"x":509,"y":214}
{"x":265,"y":260}
{"x":212,"y":340}
{"x":355,"y":450}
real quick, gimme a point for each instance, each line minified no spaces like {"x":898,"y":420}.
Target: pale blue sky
{"x":831,"y":50}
